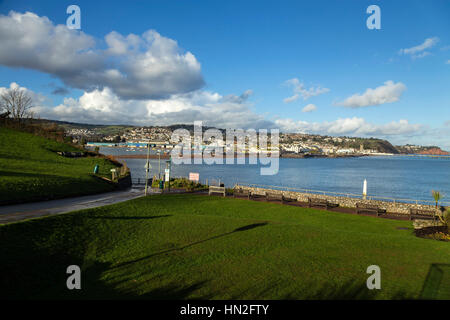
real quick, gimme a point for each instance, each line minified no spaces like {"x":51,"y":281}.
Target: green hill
{"x":31,"y":169}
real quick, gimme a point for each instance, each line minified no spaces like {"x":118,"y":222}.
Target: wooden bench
{"x":287,"y":199}
{"x":369,"y":208}
{"x":317,"y":202}
{"x":214,"y":189}
{"x":422,"y":214}
{"x":274,"y":196}
{"x":241,"y":193}
{"x":255,"y":195}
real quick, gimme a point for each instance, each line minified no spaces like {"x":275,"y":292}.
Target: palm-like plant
{"x":438,"y":196}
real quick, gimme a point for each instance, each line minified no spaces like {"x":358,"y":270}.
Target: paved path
{"x":24,"y":211}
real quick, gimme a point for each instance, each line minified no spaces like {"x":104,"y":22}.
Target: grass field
{"x":198,"y":247}
{"x":30,"y":169}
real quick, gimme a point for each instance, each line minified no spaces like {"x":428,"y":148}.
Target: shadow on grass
{"x":40,"y":274}
{"x":350,"y":290}
{"x":32,"y":268}
{"x":128,"y":217}
{"x":244,"y":228}
{"x":437,"y":283}
{"x":94,"y":288}
{"x":28,"y":174}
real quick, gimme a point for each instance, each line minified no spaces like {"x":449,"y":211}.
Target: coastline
{"x":286,"y":156}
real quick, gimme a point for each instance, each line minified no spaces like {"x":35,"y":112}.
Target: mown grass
{"x":200,"y":247}
{"x":30,"y":169}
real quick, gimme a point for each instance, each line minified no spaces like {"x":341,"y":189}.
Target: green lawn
{"x":30,"y":169}
{"x":200,"y":247}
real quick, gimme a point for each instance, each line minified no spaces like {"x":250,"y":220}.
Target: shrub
{"x":181,"y":183}
{"x":439,"y":236}
{"x":446,"y":219}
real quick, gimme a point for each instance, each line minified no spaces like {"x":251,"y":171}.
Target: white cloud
{"x":148,"y":66}
{"x":421,"y":55}
{"x":309,"y":108}
{"x":300,"y":90}
{"x":418,"y":51}
{"x":37,"y":98}
{"x":387,"y":93}
{"x":291,"y":99}
{"x":350,"y":126}
{"x":103,"y":106}
{"x":448,"y":61}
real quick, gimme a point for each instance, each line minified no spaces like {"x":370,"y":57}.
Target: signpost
{"x":113,"y":174}
{"x":194,"y":176}
{"x":167,"y":172}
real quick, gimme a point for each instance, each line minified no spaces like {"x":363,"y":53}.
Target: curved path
{"x":17,"y":212}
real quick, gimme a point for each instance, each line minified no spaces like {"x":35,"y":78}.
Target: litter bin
{"x":161,"y":184}
{"x":96,"y":169}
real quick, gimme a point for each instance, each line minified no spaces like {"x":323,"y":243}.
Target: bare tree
{"x":17,"y":104}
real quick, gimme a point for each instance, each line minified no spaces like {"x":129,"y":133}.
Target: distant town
{"x":290,"y":144}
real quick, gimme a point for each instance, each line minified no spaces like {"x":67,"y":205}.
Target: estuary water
{"x":400,"y":177}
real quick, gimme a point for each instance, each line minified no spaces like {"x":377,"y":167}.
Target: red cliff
{"x":434,"y":152}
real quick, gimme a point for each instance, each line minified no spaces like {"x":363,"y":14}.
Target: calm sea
{"x":401,"y":177}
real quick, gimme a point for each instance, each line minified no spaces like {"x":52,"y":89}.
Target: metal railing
{"x":138,"y":181}
{"x":342,"y":194}
{"x":141,"y":181}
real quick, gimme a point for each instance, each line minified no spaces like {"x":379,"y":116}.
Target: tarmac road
{"x":18,"y":212}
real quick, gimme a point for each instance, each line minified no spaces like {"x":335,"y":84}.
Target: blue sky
{"x":258,"y":46}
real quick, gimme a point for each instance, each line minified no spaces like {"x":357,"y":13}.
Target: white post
{"x":365,"y":189}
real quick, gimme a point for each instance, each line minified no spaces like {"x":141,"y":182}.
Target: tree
{"x":17,"y":104}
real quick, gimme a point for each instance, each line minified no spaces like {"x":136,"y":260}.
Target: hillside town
{"x":290,"y":144}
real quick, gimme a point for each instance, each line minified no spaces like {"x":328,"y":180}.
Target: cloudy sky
{"x":299,"y":66}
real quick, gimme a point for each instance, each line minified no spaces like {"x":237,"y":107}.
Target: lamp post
{"x":147,"y":168}
{"x":159,"y":164}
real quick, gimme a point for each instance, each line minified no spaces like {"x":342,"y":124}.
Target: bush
{"x":439,"y":236}
{"x":447,"y":219}
{"x":181,"y":183}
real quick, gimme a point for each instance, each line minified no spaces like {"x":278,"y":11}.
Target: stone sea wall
{"x":391,"y":207}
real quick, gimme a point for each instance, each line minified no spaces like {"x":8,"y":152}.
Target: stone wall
{"x":124,"y":182}
{"x":419,"y":223}
{"x":391,"y":207}
{"x":120,"y":184}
